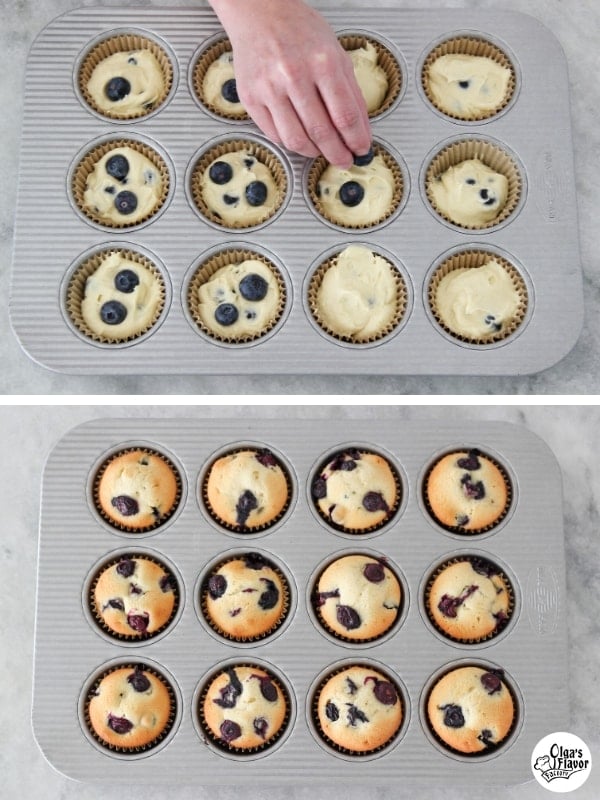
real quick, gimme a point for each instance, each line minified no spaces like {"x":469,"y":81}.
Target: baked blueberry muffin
{"x":356,"y":491}
{"x":137,"y":490}
{"x":244,"y":708}
{"x":247,"y":490}
{"x":469,"y":599}
{"x":135,"y":597}
{"x":467,"y":491}
{"x":357,"y":597}
{"x":245,"y":598}
{"x":471,"y":709}
{"x":130,"y":708}
{"x":358,"y":710}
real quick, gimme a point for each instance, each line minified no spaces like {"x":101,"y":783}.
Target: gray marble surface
{"x":30,"y":432}
{"x":577,"y":25}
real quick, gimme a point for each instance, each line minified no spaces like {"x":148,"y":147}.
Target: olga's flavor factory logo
{"x":561,"y":762}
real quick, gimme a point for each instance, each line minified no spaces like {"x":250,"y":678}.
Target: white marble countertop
{"x":30,"y":433}
{"x":576,"y":24}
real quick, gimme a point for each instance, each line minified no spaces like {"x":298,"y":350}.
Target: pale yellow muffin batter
{"x":358,"y":295}
{"x":371,"y":78}
{"x":251,"y":316}
{"x":470,"y":193}
{"x":104,"y":193}
{"x":218,"y":73}
{"x":477,"y":302}
{"x":136,"y":307}
{"x":377,"y":184}
{"x":228,"y":199}
{"x":144,"y":83}
{"x":468,"y":86}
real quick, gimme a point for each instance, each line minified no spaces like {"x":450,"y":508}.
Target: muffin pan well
{"x":538,"y":236}
{"x":72,"y":650}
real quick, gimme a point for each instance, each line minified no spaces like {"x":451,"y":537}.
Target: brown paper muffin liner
{"x":130,"y":750}
{"x":230,"y":748}
{"x":490,"y":749}
{"x":457,"y":528}
{"x":373,"y":528}
{"x":86,"y":166}
{"x":497,"y":571}
{"x":334,"y":745}
{"x":124,"y":43}
{"x":76,"y":292}
{"x":205,"y":59}
{"x":313,"y":292}
{"x":471,"y":46}
{"x":319,"y":166}
{"x":385,"y":60}
{"x":494,"y":157}
{"x":473,"y":259}
{"x":259,"y":637}
{"x":262,"y":154}
{"x":242,"y":528}
{"x":125,"y":528}
{"x":314,"y":597}
{"x":134,"y":637}
{"x":208,"y":268}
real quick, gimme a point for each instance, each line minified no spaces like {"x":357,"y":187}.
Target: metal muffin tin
{"x":541,"y":237}
{"x":70,"y":649}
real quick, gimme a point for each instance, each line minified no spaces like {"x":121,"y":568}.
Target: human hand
{"x":294,"y":78}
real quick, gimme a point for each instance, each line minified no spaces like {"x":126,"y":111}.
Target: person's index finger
{"x":347,"y":110}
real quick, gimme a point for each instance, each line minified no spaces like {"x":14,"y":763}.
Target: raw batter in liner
{"x":371,"y":78}
{"x":467,"y":86}
{"x":470,"y":193}
{"x":138,"y":71}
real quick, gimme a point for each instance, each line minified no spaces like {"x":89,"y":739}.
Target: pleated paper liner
{"x":77,"y":285}
{"x":490,"y":750}
{"x":244,"y":528}
{"x":134,"y":636}
{"x":230,"y":748}
{"x":86,"y":165}
{"x":344,"y":751}
{"x":208,"y":268}
{"x":207,"y":57}
{"x":261,"y":635}
{"x":490,"y":154}
{"x":320,"y":164}
{"x":358,"y":339}
{"x":470,"y":260}
{"x":472,"y":46}
{"x":486,"y":562}
{"x":314,"y":598}
{"x":373,"y":528}
{"x":160,"y":737}
{"x":124,"y":43}
{"x":255,"y":148}
{"x":456,"y":528}
{"x":131,"y":529}
{"x":385,"y":60}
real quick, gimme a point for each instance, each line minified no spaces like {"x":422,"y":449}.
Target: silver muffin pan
{"x":540,"y":237}
{"x":70,"y":649}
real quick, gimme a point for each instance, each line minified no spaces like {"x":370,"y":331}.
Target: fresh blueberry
{"x":230,"y":730}
{"x":267,"y":687}
{"x":365,"y":160}
{"x":374,"y":572}
{"x":261,"y":727}
{"x":453,"y":716}
{"x":351,"y":193}
{"x":484,"y":194}
{"x":470,"y":461}
{"x":117,"y":167}
{"x":128,"y":507}
{"x":332,"y":712}
{"x":226,"y":314}
{"x":256,"y":193}
{"x":220,"y":172}
{"x":374,"y":501}
{"x":110,"y":190}
{"x":126,"y":280}
{"x":112,"y":312}
{"x":230,"y":200}
{"x":229,"y":91}
{"x":491,"y":681}
{"x":126,"y":202}
{"x":217,"y":586}
{"x":231,"y":692}
{"x":138,"y":622}
{"x":355,"y":715}
{"x":470,"y":181}
{"x":464,"y":84}
{"x":270,"y":596}
{"x":120,"y":725}
{"x":117,"y":88}
{"x":139,"y":681}
{"x":247,"y":502}
{"x":125,"y":567}
{"x":253,"y":287}
{"x":348,"y":617}
{"x":132,"y":60}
